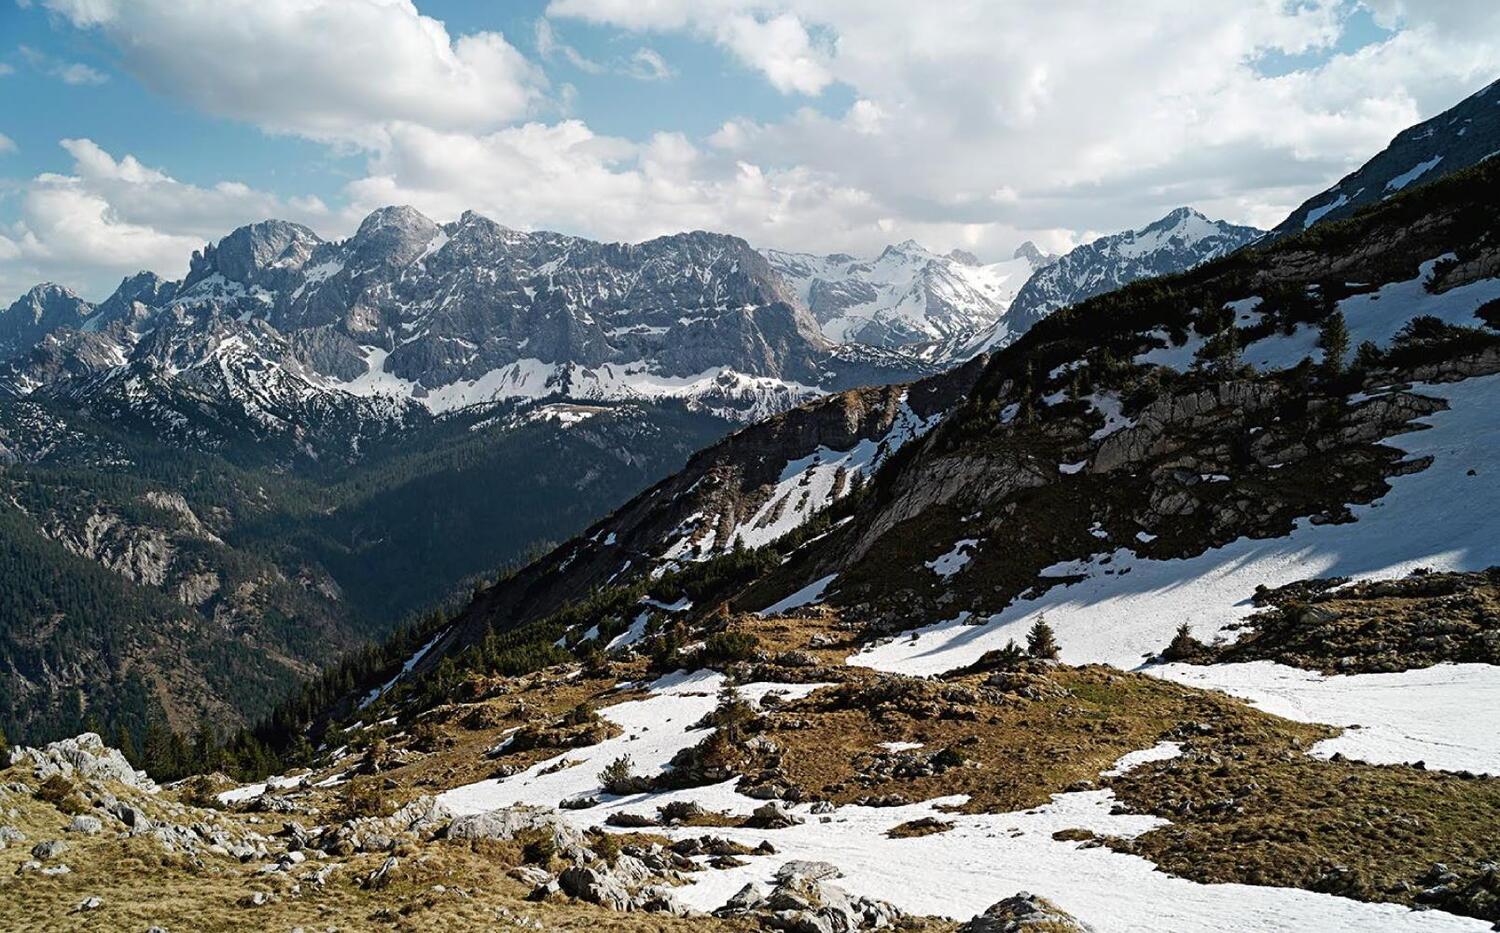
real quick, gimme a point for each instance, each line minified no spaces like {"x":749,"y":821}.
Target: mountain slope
{"x":148,"y":579}
{"x":1251,"y":578}
{"x":1182,"y":239}
{"x":1453,"y":140}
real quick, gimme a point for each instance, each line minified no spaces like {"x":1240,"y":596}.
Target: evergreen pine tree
{"x":1333,"y":340}
{"x":125,"y":742}
{"x":1040,"y":642}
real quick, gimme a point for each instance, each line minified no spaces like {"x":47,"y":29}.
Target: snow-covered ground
{"x":1127,"y":608}
{"x":806,"y":485}
{"x":958,"y":873}
{"x":406,"y":668}
{"x":808,"y":594}
{"x":532,"y":378}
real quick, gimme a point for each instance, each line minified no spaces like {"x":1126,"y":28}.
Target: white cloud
{"x":328,"y":69}
{"x":110,"y":217}
{"x":79,"y":73}
{"x":648,"y":65}
{"x":550,"y":47}
{"x":1087,"y":115}
{"x":76,"y":73}
{"x":972,"y":124}
{"x":7,"y":144}
{"x":781,"y":48}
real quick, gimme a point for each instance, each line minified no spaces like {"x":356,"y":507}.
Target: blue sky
{"x":123,"y":116}
{"x":820,"y":125}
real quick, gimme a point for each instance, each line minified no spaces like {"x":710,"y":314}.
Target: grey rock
{"x":48,"y":849}
{"x":85,"y":756}
{"x":1025,"y":912}
{"x":506,"y":822}
{"x":85,"y":824}
{"x":87,"y":904}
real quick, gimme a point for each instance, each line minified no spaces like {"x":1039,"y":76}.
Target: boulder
{"x":507,"y":822}
{"x":85,"y":824}
{"x":803,"y":902}
{"x":1025,"y":913}
{"x":773,"y":815}
{"x":423,"y":816}
{"x":48,"y":849}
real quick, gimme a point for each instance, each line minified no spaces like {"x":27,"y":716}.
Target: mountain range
{"x":289,"y":438}
{"x":1178,"y":611}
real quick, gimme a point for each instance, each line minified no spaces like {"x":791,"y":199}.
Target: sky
{"x":132,"y":132}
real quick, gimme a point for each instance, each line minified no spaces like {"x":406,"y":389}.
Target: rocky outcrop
{"x":85,"y":757}
{"x":804,"y":901}
{"x":1025,"y":913}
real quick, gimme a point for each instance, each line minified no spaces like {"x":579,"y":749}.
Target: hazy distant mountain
{"x":908,"y":295}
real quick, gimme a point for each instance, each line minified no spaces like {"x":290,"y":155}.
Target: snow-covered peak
{"x":907,"y":295}
{"x":1180,"y":240}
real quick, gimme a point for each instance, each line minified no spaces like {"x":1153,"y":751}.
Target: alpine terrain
{"x":1176,"y":608}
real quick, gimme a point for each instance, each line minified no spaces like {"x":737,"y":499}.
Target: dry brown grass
{"x":1247,"y":804}
{"x":142,"y":885}
{"x":1017,"y":752}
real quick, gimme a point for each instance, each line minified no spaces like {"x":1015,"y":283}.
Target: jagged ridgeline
{"x":1235,"y":401}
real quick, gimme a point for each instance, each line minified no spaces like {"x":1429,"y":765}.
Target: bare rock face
{"x":1025,"y":913}
{"x":507,"y":822}
{"x":84,"y":756}
{"x":805,"y":902}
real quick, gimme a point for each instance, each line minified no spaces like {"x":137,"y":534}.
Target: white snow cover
{"x":806,"y":484}
{"x":958,"y":873}
{"x":1128,"y":609}
{"x":947,"y":564}
{"x":532,"y":378}
{"x":251,"y":791}
{"x":406,"y":668}
{"x":1375,"y":316}
{"x":633,"y":634}
{"x":1317,"y":213}
{"x":908,"y":293}
{"x":1413,"y":173}
{"x":808,"y":594}
{"x":1161,"y":751}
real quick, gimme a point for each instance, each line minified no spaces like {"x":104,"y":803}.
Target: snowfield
{"x":1128,"y":607}
{"x":958,"y":873}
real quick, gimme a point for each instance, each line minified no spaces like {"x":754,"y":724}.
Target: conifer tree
{"x":1333,"y":340}
{"x":1040,"y":642}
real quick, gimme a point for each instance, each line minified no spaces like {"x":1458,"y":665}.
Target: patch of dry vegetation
{"x":1247,"y":804}
{"x":1385,"y":625}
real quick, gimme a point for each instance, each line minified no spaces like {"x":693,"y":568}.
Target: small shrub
{"x":729,"y":647}
{"x":363,"y":797}
{"x":606,"y":846}
{"x":619,"y":777}
{"x":60,"y":792}
{"x":1184,"y":647}
{"x":538,"y":847}
{"x":581,"y":715}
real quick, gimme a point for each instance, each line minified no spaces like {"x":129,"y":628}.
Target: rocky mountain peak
{"x":392,"y":236}
{"x":1033,"y":254}
{"x":42,"y":309}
